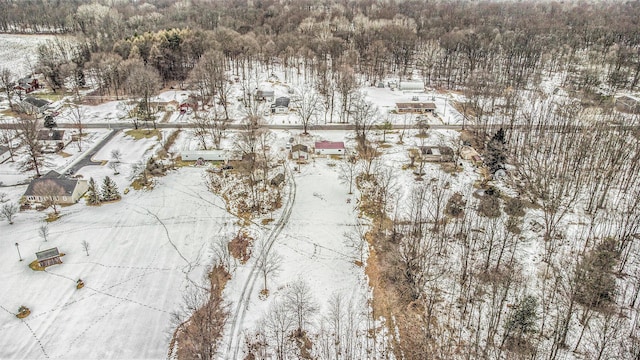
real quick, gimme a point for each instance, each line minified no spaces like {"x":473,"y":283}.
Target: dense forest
{"x":453,"y":272}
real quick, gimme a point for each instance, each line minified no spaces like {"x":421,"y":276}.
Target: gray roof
{"x":47,"y":254}
{"x":3,"y":149}
{"x":281,"y":102}
{"x":39,"y":103}
{"x":67,"y":184}
{"x":300,"y":147}
{"x":265,"y":93}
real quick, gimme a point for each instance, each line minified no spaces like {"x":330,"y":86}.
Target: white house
{"x":4,"y":153}
{"x":329,"y":147}
{"x":59,"y":187}
{"x":209,"y":155}
{"x":299,"y":152}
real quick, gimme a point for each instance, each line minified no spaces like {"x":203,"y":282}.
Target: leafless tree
{"x":278,"y":325}
{"x":28,"y":135}
{"x":8,"y":211}
{"x":300,"y":301}
{"x":43,"y":231}
{"x":308,"y":105}
{"x":77,"y":114}
{"x":7,"y":136}
{"x":349,"y":170}
{"x":270,"y":264}
{"x":142,"y":82}
{"x":85,"y":246}
{"x":6,"y":84}
{"x":365,"y":115}
{"x":50,"y":192}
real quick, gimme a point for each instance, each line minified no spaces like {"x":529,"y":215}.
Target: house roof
{"x":281,"y":102}
{"x":3,"y":149}
{"x":329,"y":144}
{"x":52,"y":135}
{"x":300,"y":147}
{"x":68,"y":185}
{"x":47,"y":254}
{"x":264,"y":92}
{"x":416,"y":105}
{"x":39,"y":103}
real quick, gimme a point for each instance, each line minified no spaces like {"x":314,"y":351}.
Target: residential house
{"x":48,"y":257}
{"x":629,"y":104}
{"x":436,"y":153}
{"x":209,"y":155}
{"x":330,"y":147}
{"x":415,"y":107}
{"x":51,"y":140}
{"x":280,"y":106}
{"x":65,"y":190}
{"x":5,"y":154}
{"x":265,"y":95}
{"x":160,"y":105}
{"x":27,"y":85}
{"x":300,"y":152}
{"x":33,"y":106}
{"x":190,"y":103}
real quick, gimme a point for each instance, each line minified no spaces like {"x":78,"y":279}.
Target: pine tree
{"x":109,"y":190}
{"x":93,"y":198}
{"x":496,"y":154}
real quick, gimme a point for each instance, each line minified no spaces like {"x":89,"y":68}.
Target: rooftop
{"x":329,"y":144}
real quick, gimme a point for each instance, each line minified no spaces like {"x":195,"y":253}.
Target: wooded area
{"x":453,"y":274}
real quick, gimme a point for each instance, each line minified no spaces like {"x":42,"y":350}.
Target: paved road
{"x":86,"y":157}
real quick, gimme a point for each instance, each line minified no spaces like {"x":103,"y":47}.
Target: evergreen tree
{"x":93,"y":198}
{"x":521,"y":323}
{"x":496,"y":154}
{"x":109,"y":190}
{"x":49,"y":122}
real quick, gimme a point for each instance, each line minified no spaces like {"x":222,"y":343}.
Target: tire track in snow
{"x":233,"y":345}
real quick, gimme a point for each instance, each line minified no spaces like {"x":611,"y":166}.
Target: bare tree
{"x":299,"y":299}
{"x":8,"y":211}
{"x":143,"y":82}
{"x":50,"y":192}
{"x":349,"y":170}
{"x":28,"y":135}
{"x":6,"y":84}
{"x":278,"y":325}
{"x":43,"y":231}
{"x":85,"y":246}
{"x":270,"y":264}
{"x":7,"y":137}
{"x":77,"y":114}
{"x":308,"y":104}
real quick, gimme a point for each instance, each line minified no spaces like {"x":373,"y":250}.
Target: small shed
{"x":330,"y":147}
{"x":299,"y":152}
{"x":48,"y":257}
{"x":27,"y":85}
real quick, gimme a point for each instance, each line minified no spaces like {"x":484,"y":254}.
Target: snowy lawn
{"x":145,"y":250}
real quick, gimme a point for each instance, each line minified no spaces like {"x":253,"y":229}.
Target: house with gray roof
{"x":33,"y":106}
{"x":67,"y":190}
{"x":280,"y":106}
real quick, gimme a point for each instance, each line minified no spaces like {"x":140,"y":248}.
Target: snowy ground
{"x":18,"y":52}
{"x":145,"y":250}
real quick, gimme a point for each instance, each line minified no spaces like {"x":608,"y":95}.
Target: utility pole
{"x":18,"y":248}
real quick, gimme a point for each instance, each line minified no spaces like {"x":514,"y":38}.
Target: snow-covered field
{"x":18,"y":52}
{"x":145,"y":251}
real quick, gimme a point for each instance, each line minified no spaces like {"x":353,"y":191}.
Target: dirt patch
{"x":240,"y":246}
{"x":138,"y":134}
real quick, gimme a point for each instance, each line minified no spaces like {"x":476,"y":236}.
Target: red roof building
{"x":330,"y":147}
